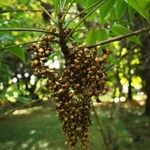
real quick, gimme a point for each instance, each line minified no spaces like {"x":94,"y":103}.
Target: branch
{"x":96,"y":3}
{"x":31,"y":10}
{"x":63,"y":18}
{"x":118,"y":38}
{"x":28,"y":29}
{"x":88,"y":14}
{"x":19,"y":10}
{"x":48,"y":13}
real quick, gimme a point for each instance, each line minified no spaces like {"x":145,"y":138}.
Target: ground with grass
{"x":38,"y":128}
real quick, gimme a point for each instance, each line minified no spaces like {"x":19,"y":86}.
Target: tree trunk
{"x":129,"y":78}
{"x":144,"y":68}
{"x":130,"y":88}
{"x":145,"y":51}
{"x":147,"y":90}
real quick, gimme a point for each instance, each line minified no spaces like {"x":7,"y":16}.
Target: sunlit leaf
{"x":131,"y":12}
{"x":141,"y":6}
{"x":56,"y":6}
{"x":113,"y":60}
{"x":118,"y":29}
{"x":120,"y":8}
{"x":105,"y":8}
{"x":96,"y":35}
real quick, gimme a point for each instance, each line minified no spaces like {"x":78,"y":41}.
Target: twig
{"x":63,"y":18}
{"x":118,"y":38}
{"x":81,"y":13}
{"x":46,"y":11}
{"x":63,"y":5}
{"x":28,"y":29}
{"x":20,"y":10}
{"x":60,"y":5}
{"x":97,"y":6}
{"x":30,"y":10}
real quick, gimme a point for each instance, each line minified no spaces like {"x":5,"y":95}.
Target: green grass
{"x":41,"y":130}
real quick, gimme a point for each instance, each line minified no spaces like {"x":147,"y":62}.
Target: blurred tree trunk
{"x":129,"y":83}
{"x":145,"y":51}
{"x":147,"y":89}
{"x":118,"y":82}
{"x":144,"y":68}
{"x":129,"y":76}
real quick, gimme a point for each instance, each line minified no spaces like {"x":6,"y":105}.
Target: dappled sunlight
{"x":21,"y":112}
{"x":32,"y":132}
{"x":142,"y":102}
{"x":27,"y":111}
{"x":42,"y":133}
{"x":53,"y":64}
{"x":29,"y":145}
{"x":140,"y":97}
{"x":39,"y":130}
{"x":32,"y":80}
{"x":7,"y":145}
{"x":26,"y":144}
{"x":119,"y":99}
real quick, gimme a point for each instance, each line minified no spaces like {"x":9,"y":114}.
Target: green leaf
{"x":131,"y":12}
{"x":105,"y":9}
{"x":120,"y":8}
{"x":96,"y":35}
{"x":23,"y":99}
{"x":102,"y":35}
{"x":141,"y":6}
{"x":18,"y":51}
{"x":90,"y":2}
{"x":85,"y":3}
{"x":91,"y":37}
{"x":113,"y":60}
{"x":118,"y":29}
{"x":25,"y":2}
{"x":135,"y":39}
{"x":4,"y":72}
{"x":56,"y":6}
{"x":6,"y":38}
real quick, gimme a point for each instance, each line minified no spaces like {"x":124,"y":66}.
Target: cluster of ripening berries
{"x":83,"y":77}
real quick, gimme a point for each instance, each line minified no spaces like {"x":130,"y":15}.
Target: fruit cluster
{"x":82,"y":78}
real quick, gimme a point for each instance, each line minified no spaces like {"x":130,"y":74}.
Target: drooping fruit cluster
{"x":82,"y":78}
